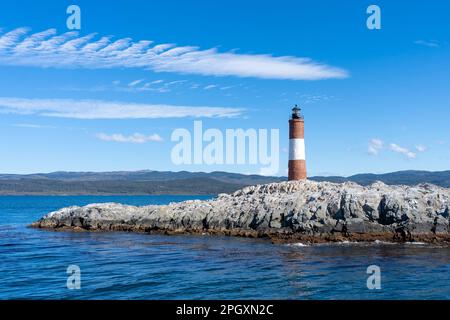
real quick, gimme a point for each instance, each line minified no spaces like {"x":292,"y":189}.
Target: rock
{"x":318,"y":210}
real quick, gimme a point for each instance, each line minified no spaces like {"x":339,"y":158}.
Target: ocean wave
{"x":297,"y":244}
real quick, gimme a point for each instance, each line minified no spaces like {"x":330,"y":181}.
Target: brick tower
{"x":297,"y":160}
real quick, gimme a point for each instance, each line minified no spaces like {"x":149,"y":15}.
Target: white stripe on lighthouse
{"x":297,"y":149}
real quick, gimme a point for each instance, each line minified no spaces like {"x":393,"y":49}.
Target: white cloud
{"x":421,"y":148}
{"x":428,"y":43}
{"x":209,"y":87}
{"x":176,"y":82}
{"x":69,"y":50}
{"x":32,"y":126}
{"x":137,"y":138}
{"x":375,"y":145}
{"x":99,"y":109}
{"x":141,"y":85}
{"x":406,"y":152}
{"x":135,"y":83}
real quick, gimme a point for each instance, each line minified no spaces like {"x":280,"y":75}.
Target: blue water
{"x":33,"y":263}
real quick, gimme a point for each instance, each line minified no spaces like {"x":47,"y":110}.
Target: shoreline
{"x":275,"y":237}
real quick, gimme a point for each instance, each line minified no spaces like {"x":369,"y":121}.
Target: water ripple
{"x":139,"y":266}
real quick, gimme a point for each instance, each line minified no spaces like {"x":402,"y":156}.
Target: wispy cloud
{"x":141,"y":85}
{"x":99,"y":109}
{"x":313,"y":98}
{"x":32,"y":126}
{"x":137,"y":138}
{"x":421,"y":148}
{"x":70,"y":50}
{"x":375,"y":145}
{"x":428,"y":43}
{"x":402,"y":150}
{"x":171,"y":83}
{"x":209,"y":87}
{"x":135,"y":82}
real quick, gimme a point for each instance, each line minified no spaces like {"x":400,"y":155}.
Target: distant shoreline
{"x":181,"y":183}
{"x":104,"y":194}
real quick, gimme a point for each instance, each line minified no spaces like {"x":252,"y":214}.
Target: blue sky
{"x":374,"y":100}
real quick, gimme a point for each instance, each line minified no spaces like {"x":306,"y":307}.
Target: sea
{"x":42,"y":264}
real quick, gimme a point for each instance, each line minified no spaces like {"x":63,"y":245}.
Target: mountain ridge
{"x":181,"y":182}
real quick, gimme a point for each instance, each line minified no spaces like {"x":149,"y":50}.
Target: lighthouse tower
{"x":297,"y":160}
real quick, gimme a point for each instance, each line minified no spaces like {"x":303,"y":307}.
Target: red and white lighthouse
{"x":297,"y":159}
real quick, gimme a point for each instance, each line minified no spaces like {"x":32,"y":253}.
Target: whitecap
{"x":383,"y":242}
{"x":298,"y":244}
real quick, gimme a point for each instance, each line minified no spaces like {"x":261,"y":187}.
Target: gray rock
{"x":296,"y":207}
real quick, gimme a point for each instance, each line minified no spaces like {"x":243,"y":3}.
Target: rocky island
{"x":295,"y":211}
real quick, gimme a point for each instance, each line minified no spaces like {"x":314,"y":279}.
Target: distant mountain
{"x":182,"y":182}
{"x":411,"y":177}
{"x":133,"y":182}
{"x":143,"y":175}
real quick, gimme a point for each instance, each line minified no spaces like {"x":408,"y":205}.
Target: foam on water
{"x":298,"y":244}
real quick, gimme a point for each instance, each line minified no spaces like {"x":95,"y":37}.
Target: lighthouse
{"x":297,"y":159}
